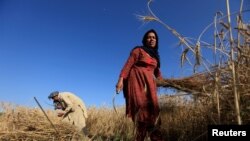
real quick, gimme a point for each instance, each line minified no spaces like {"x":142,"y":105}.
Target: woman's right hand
{"x":119,"y":85}
{"x":60,"y":114}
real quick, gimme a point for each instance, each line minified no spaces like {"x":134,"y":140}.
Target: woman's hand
{"x":119,"y":85}
{"x":60,"y":114}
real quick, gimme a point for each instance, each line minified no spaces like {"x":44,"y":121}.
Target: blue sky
{"x":81,"y":45}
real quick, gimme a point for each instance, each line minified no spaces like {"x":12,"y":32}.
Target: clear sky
{"x":81,"y":45}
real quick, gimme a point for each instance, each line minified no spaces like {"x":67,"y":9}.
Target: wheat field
{"x":181,"y":120}
{"x":219,"y":95}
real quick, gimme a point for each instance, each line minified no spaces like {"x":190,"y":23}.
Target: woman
{"x":137,"y":79}
{"x":73,"y":109}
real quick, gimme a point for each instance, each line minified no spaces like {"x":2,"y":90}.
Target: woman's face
{"x":151,"y":40}
{"x":55,"y":98}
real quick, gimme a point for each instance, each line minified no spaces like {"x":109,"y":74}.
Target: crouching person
{"x":73,"y":109}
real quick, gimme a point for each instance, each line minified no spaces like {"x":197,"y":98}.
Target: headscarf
{"x":153,"y":52}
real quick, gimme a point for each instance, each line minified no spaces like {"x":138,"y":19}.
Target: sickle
{"x":113,"y":100}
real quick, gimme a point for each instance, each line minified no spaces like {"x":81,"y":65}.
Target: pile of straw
{"x":24,"y":124}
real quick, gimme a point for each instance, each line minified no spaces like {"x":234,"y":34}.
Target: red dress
{"x":140,"y":90}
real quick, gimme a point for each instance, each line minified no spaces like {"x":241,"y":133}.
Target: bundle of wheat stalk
{"x":196,"y":83}
{"x":204,"y":82}
{"x":30,"y":124}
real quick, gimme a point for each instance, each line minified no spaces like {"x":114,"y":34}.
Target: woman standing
{"x":137,"y":79}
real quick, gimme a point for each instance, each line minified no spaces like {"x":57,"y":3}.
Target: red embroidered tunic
{"x":140,"y":90}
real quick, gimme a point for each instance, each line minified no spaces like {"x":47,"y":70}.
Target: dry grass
{"x":105,"y":124}
{"x":29,"y":124}
{"x":184,"y":120}
{"x":181,"y":120}
{"x":219,"y":84}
